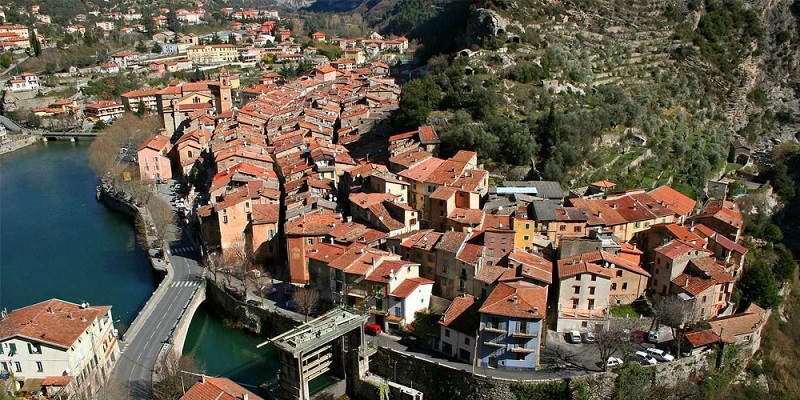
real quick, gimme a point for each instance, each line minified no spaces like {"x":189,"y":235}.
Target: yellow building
{"x":212,"y":53}
{"x":524,"y":229}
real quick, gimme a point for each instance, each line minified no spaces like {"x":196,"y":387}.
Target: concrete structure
{"x":512,"y":320}
{"x":22,"y":83}
{"x":459,"y":329}
{"x":212,"y":53}
{"x":56,"y":345}
{"x":105,"y":110}
{"x":326,"y":344}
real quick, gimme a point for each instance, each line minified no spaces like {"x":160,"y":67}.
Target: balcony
{"x":522,"y":349}
{"x":489,"y":327}
{"x":494,"y":344}
{"x":523,"y":334}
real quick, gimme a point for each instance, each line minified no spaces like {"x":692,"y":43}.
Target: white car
{"x":660,"y":355}
{"x":574,"y":336}
{"x":644,"y":358}
{"x":613,"y":362}
{"x":588,"y":337}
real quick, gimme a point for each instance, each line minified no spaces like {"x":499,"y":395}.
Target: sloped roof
{"x":408,"y":286}
{"x":674,"y":200}
{"x":462,"y":315}
{"x":516,"y":300}
{"x":739,"y":324}
{"x":53,"y":321}
{"x":218,"y":389}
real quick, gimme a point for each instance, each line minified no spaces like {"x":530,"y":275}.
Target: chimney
{"x":686,"y":284}
{"x":514,"y":299}
{"x":202,"y":379}
{"x":245,"y":396}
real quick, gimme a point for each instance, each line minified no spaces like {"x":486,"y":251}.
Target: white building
{"x":59,"y":345}
{"x":459,"y":325}
{"x":23,"y":83}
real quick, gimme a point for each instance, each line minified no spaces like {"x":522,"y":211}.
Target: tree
{"x":785,"y":266}
{"x":425,"y":325}
{"x":173,"y":23}
{"x":306,"y":301}
{"x":141,"y":47}
{"x":174,"y":375}
{"x":675,"y":313}
{"x":772,"y":233}
{"x":758,"y":285}
{"x":215,"y":39}
{"x":156,"y":49}
{"x":35,"y":44}
{"x":609,"y":341}
{"x":418,"y":99}
{"x":163,"y":219}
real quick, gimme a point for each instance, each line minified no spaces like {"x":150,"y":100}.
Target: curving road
{"x":139,"y":352}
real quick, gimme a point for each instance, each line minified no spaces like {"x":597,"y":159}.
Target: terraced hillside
{"x":640,"y":91}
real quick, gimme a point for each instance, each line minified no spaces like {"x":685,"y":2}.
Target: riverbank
{"x":18,"y":142}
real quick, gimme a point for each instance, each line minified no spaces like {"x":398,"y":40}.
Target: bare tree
{"x":175,"y":375}
{"x":675,"y":313}
{"x":163,"y":219}
{"x":616,"y":337}
{"x":128,"y":132}
{"x":264,"y":284}
{"x":306,"y":300}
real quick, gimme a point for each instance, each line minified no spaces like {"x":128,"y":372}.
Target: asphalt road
{"x":139,"y":352}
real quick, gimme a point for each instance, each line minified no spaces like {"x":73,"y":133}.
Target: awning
{"x":32,"y":385}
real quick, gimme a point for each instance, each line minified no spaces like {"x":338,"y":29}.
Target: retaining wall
{"x":254,"y":319}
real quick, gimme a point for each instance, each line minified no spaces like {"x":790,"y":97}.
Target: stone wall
{"x":439,"y":381}
{"x":182,"y":328}
{"x":17,"y":143}
{"x":254,"y":319}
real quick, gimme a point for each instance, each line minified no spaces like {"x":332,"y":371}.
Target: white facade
{"x":583,"y":302}
{"x":457,"y":344}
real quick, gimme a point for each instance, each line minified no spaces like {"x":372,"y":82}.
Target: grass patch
{"x":624,"y":311}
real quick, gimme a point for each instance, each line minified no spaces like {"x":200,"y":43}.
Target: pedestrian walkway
{"x":182,"y":250}
{"x":186,"y":283}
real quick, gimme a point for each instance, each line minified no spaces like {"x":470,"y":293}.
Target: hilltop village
{"x":283,"y":165}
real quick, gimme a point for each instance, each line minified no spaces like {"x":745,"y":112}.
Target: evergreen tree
{"x":173,"y":23}
{"x":35,"y":45}
{"x":141,"y":47}
{"x":157,"y":48}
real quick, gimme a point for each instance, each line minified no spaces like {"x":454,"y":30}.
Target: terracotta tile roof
{"x":408,"y":286}
{"x":497,"y":222}
{"x":423,"y":170}
{"x":410,"y":158}
{"x":683,"y":233}
{"x":265,"y":213}
{"x":710,"y":267}
{"x":604,"y":184}
{"x":353,"y":232}
{"x":326,"y":252}
{"x":676,"y":247}
{"x":56,"y":380}
{"x":452,"y":241}
{"x":702,"y":338}
{"x":367,"y":200}
{"x":470,"y":253}
{"x":53,"y":321}
{"x":674,"y":200}
{"x":577,"y":266}
{"x":464,"y":156}
{"x":692,"y":284}
{"x":156,"y":142}
{"x":600,"y":257}
{"x":728,"y":244}
{"x":218,"y":389}
{"x":443,"y":193}
{"x":492,"y":273}
{"x":739,"y":324}
{"x":382,"y":272}
{"x":703,"y":230}
{"x":626,"y":247}
{"x":313,"y":224}
{"x":428,"y":135}
{"x":531,"y":265}
{"x":530,"y":303}
{"x":725,"y":211}
{"x":462,"y":315}
{"x":467,"y":216}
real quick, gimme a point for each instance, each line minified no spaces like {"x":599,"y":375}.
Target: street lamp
{"x":395,"y":370}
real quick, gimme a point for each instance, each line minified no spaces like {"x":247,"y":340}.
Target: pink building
{"x":154,"y":164}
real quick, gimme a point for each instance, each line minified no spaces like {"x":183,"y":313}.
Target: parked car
{"x":613,"y":362}
{"x":409,"y":340}
{"x":625,"y":336}
{"x":652,"y":336}
{"x":574,"y":337}
{"x":255,"y":303}
{"x":372,"y":329}
{"x":290,"y":304}
{"x":644,"y":358}
{"x":588,"y":337}
{"x":660,"y":355}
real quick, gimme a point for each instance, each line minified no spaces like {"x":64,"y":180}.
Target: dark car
{"x":410,"y":341}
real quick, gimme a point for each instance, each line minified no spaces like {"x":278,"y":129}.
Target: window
{"x":446,"y":332}
{"x":578,"y":229}
{"x":619,"y":273}
{"x":503,"y":241}
{"x":594,"y":277}
{"x":578,"y":277}
{"x":18,"y":366}
{"x":155,"y":160}
{"x":591,"y":304}
{"x":189,"y":153}
{"x":574,"y":303}
{"x":591,"y":290}
{"x":430,"y":257}
{"x":637,"y":224}
{"x":466,"y":341}
{"x":584,"y":324}
{"x":704,"y":299}
{"x":39,"y":366}
{"x":12,"y":349}
{"x":34,"y":348}
{"x":520,"y":356}
{"x":577,"y":289}
{"x":4,"y":365}
{"x":613,"y":286}
{"x":526,"y":238}
{"x":224,"y":219}
{"x":527,"y":226}
{"x":562,"y":228}
{"x":491,"y":252}
{"x":624,"y":285}
{"x":492,"y":239}
{"x":310,"y":241}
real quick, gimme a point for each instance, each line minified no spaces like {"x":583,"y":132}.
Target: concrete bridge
{"x":162,"y":324}
{"x":46,"y":135}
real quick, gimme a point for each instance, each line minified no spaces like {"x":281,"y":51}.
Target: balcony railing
{"x":522,"y":349}
{"x":524,"y":334}
{"x":494,"y":344}
{"x":490,"y":327}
